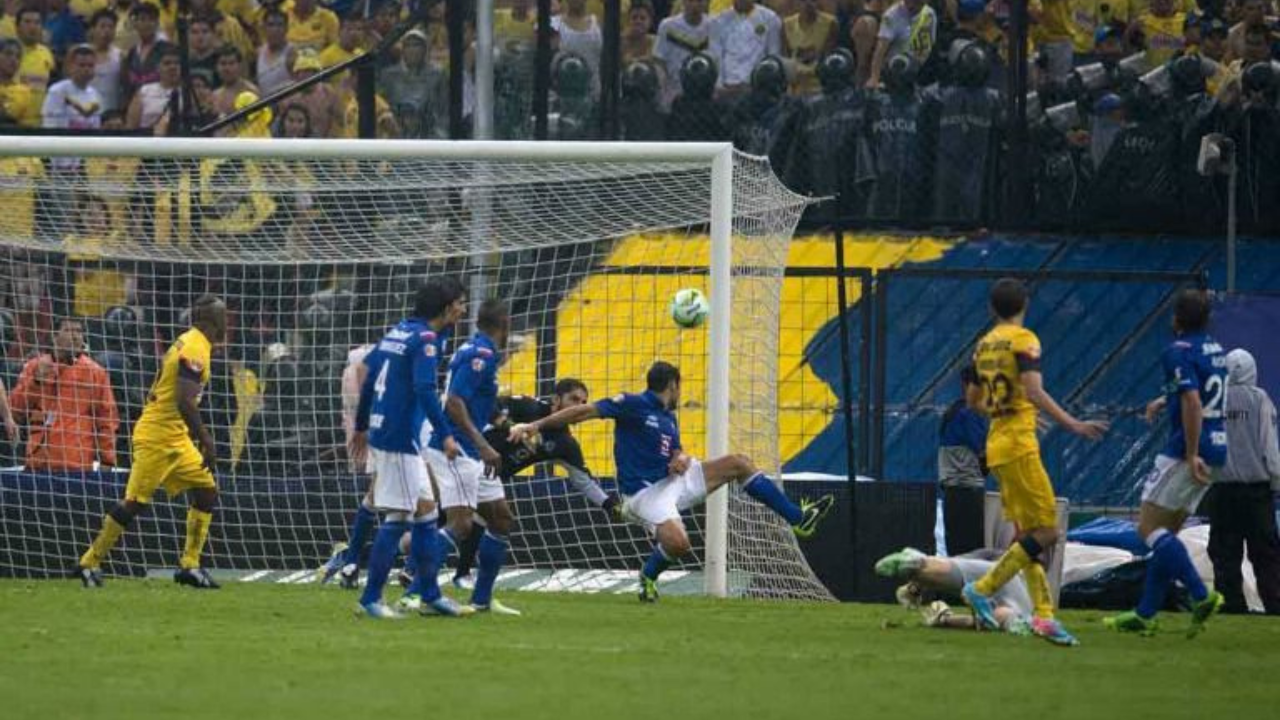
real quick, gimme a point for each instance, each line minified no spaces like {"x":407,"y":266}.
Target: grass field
{"x":150,"y":649}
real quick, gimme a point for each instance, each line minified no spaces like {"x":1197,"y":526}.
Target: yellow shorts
{"x":176,"y":468}
{"x":1026,"y":493}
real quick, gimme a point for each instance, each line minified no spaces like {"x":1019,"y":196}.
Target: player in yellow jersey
{"x":1008,"y":363}
{"x":172,"y":449}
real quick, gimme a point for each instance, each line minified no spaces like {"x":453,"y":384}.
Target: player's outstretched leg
{"x":114,"y":524}
{"x":385,"y":543}
{"x":422,"y":540}
{"x":803,"y":518}
{"x":199,"y":518}
{"x":491,"y":555}
{"x":673,"y":544}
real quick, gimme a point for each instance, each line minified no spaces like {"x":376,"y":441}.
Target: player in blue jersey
{"x":1195,"y":384}
{"x":398,"y":395}
{"x":471,"y":482}
{"x":658,"y":479}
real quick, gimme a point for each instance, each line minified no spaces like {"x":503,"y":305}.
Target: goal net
{"x":317,"y":248}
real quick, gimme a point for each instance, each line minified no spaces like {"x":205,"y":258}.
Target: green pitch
{"x":149,"y":649}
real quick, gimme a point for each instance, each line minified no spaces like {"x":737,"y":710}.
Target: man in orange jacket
{"x":64,"y":398}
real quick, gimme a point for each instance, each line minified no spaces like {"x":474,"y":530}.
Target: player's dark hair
{"x":1191,"y":310}
{"x":661,"y":375}
{"x":435,"y":296}
{"x":564,"y":386}
{"x":1009,"y":297}
{"x":969,"y":375}
{"x":492,"y":315}
{"x":203,"y":308}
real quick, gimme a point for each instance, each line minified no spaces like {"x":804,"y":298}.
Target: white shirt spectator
{"x":677,"y":41}
{"x":153,"y":99}
{"x":71,"y":107}
{"x":739,"y":42}
{"x":908,"y":35}
{"x":106,"y":79}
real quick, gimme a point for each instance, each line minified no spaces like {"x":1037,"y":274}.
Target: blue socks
{"x":385,"y":545}
{"x":657,"y":562}
{"x":440,"y":548}
{"x":360,"y":526}
{"x":763,"y":490}
{"x":490,"y":557}
{"x":1169,"y":561}
{"x":422,"y":550}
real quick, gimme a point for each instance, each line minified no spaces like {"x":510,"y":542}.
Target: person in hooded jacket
{"x":1241,"y":511}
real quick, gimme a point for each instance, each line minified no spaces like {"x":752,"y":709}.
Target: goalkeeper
{"x":165,"y":450}
{"x":557,"y":446}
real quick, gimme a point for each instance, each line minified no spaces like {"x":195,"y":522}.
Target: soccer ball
{"x":689,"y":308}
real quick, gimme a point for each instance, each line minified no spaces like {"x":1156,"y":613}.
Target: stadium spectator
{"x":417,"y":90}
{"x":114,"y":177}
{"x":206,"y":110}
{"x":679,"y":38}
{"x":350,"y":43}
{"x":638,"y":42}
{"x":1160,"y":31}
{"x":295,"y":123}
{"x":742,"y":36}
{"x":64,"y":398}
{"x":312,"y":27}
{"x":98,"y":288}
{"x":1253,"y":13}
{"x":910,"y":27}
{"x":142,"y":61}
{"x":962,"y":466}
{"x":228,"y":22}
{"x":860,"y":30}
{"x":515,"y":27}
{"x":107,"y":58}
{"x":1213,"y":41}
{"x":387,"y":125}
{"x":74,"y":104}
{"x":152,"y":100}
{"x":276,"y":56}
{"x":62,"y":27}
{"x":1241,"y":509}
{"x":38,"y":63}
{"x":807,"y":36}
{"x":202,"y":45}
{"x":321,"y":100}
{"x":578,"y":33}
{"x":17,"y":102}
{"x":231,"y":80}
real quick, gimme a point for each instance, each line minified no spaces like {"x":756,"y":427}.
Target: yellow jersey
{"x":161,"y":423}
{"x":34,"y":70}
{"x":18,"y":105}
{"x":19,"y":179}
{"x":1164,"y":36}
{"x":316,"y":33}
{"x":1003,"y":355}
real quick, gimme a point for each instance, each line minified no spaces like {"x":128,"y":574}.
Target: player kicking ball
{"x":1011,"y":604}
{"x":658,"y":479}
{"x":165,"y":453}
{"x":1195,"y":385}
{"x":398,"y":393}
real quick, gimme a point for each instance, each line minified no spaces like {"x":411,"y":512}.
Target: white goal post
{"x":647,"y":186}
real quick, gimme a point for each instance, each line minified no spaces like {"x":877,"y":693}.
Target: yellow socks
{"x":1038,"y":586}
{"x":198,"y":522}
{"x":102,"y":544}
{"x":1014,"y":560}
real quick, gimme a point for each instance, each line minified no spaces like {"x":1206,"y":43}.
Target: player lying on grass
{"x":658,"y":479}
{"x":398,"y":396}
{"x":925,"y":574}
{"x":1195,"y":386}
{"x":558,"y":447}
{"x":165,"y":451}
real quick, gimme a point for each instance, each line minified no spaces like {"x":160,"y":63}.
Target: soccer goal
{"x":317,"y":247}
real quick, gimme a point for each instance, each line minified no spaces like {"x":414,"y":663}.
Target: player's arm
{"x":1033,"y":385}
{"x":6,"y":415}
{"x":555,"y":421}
{"x":189,"y":388}
{"x":358,"y":447}
{"x":424,"y":390}
{"x":456,"y":408}
{"x":570,"y":458}
{"x":1192,"y":425}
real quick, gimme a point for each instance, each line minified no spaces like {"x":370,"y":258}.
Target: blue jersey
{"x":400,"y":388}
{"x":1196,"y":362}
{"x":473,"y":378}
{"x":645,"y":438}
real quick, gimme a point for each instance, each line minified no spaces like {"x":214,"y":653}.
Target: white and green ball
{"x":690,"y":308}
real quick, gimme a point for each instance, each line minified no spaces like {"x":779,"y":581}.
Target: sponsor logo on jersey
{"x":429,"y":350}
{"x":477,"y":364}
